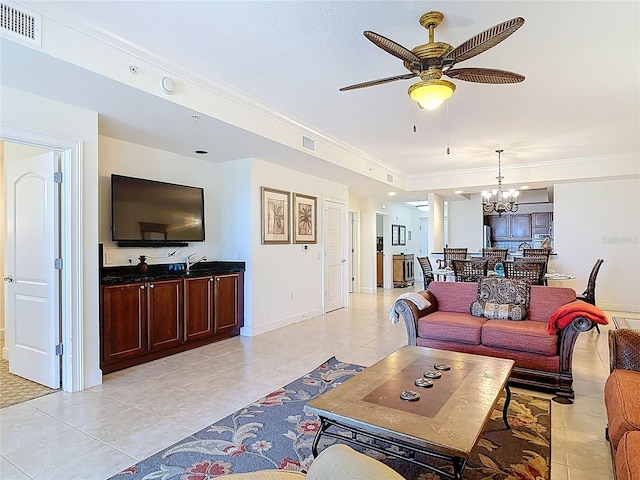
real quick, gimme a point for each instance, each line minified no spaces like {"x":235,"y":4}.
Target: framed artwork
{"x":395,"y":234}
{"x":403,"y":235}
{"x":305,"y":225}
{"x":275,"y":216}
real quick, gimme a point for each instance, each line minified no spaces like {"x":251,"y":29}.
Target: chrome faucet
{"x":192,"y":263}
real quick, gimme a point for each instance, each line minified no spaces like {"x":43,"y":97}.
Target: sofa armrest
{"x":411,"y":314}
{"x":624,"y":349}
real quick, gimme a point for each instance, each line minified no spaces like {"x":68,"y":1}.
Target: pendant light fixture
{"x":499,"y":201}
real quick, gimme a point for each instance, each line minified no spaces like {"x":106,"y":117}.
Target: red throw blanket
{"x":565,"y":314}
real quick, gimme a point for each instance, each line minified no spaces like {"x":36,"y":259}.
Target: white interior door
{"x":335,"y":245}
{"x":32,"y":281}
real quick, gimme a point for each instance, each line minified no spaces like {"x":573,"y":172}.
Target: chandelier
{"x":499,"y":201}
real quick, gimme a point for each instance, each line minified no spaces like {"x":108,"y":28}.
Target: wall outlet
{"x":108,"y":259}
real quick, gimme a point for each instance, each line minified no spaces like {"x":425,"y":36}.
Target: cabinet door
{"x":226,"y":302}
{"x":165,"y":314}
{"x":541,"y":222}
{"x":520,"y":227}
{"x":499,"y":227}
{"x":124,"y":321}
{"x":198,"y":308}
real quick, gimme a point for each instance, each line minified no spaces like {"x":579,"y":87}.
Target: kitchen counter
{"x":131,"y":274}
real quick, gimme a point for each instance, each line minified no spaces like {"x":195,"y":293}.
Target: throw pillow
{"x":516,"y":291}
{"x":499,"y":311}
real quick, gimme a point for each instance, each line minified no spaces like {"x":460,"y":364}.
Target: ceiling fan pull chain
{"x":448,"y":142}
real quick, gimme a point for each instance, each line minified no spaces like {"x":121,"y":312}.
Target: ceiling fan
{"x":432,"y":60}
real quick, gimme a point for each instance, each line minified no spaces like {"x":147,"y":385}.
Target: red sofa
{"x":623,"y":403}
{"x":542,"y":360}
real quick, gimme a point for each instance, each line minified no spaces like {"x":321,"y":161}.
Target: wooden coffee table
{"x":447,"y":420}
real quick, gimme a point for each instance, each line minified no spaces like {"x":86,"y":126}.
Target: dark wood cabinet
{"x":198,"y":308}
{"x":124,"y":322}
{"x":520,"y":227}
{"x":140,"y":322}
{"x":226,"y":301}
{"x":541,"y":222}
{"x":164,"y":300}
{"x":499,"y":227}
{"x":509,"y":227}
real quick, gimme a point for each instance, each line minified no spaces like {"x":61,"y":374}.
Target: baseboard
{"x":91,"y":379}
{"x":368,"y":289}
{"x":253,"y":330}
{"x":619,"y":307}
{"x":5,"y":353}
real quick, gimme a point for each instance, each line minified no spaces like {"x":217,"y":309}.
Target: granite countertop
{"x":131,"y":274}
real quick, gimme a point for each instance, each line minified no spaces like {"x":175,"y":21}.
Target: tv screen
{"x":147,"y":211}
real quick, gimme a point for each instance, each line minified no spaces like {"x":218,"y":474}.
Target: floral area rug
{"x":275,"y":432}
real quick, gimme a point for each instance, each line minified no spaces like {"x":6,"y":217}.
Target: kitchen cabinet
{"x":541,"y":222}
{"x":403,"y":270}
{"x":124,"y":322}
{"x":143,"y":321}
{"x":510,"y":227}
{"x":164,"y":303}
{"x":198,"y":307}
{"x":227,"y":306}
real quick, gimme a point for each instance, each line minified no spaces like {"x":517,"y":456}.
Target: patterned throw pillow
{"x":504,"y":298}
{"x":498,"y":311}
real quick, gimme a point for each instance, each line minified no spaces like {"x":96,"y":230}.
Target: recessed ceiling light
{"x":195,"y":118}
{"x":391,"y":194}
{"x":458,"y":192}
{"x":524,"y":187}
{"x":201,"y":152}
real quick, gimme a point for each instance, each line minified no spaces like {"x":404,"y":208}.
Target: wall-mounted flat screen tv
{"x":155,"y":213}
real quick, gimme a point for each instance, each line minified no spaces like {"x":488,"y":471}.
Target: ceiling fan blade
{"x":392,"y":47}
{"x":380,"y":81}
{"x":484,"y":41}
{"x":484,"y":75}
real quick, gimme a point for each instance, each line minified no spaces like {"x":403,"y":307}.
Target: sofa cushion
{"x":454,"y":296}
{"x":623,"y":403}
{"x":451,"y":327}
{"x":500,"y":311}
{"x":628,"y":457}
{"x":504,"y":290}
{"x":545,"y":301}
{"x":526,"y":336}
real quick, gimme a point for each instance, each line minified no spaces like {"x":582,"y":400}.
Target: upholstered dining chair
{"x":453,"y":254}
{"x":427,"y":271}
{"x":470,"y":270}
{"x":532,"y":269}
{"x":589,"y":295}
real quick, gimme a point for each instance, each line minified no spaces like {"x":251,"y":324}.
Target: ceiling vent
{"x":389,"y":178}
{"x":308,"y":143}
{"x":20,"y":23}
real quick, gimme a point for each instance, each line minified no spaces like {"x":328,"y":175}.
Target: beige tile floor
{"x":136,"y":412}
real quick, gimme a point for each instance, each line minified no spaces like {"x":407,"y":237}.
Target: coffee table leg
{"x":506,"y":407}
{"x":458,"y":467}
{"x":314,"y":446}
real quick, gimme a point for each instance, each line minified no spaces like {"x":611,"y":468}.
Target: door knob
{"x":8,"y":279}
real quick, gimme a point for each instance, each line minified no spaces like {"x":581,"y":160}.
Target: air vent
{"x":389,"y":178}
{"x":308,"y":143}
{"x":20,"y":23}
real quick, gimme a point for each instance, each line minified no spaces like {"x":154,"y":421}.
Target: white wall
{"x":287,"y":282}
{"x":466,"y":223}
{"x":600,"y":220}
{"x":39,"y":115}
{"x":130,"y":159}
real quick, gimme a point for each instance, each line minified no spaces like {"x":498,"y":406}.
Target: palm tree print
{"x":276,"y":217}
{"x":305,"y":219}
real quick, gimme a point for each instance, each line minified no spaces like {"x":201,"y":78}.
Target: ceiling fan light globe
{"x":430,"y":94}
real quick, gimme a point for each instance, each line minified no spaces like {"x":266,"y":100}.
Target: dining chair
{"x":531,"y":269}
{"x":589,"y":295}
{"x":470,"y":270}
{"x":453,"y":254}
{"x":427,"y":271}
{"x":494,"y":256}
